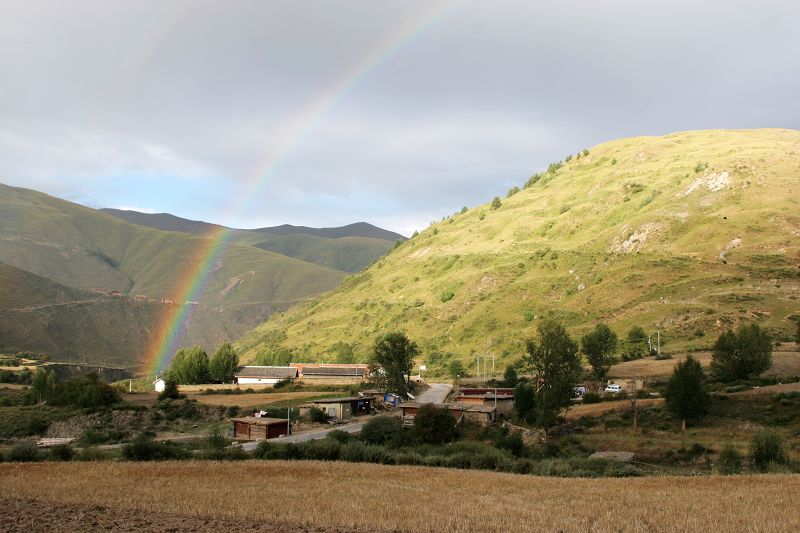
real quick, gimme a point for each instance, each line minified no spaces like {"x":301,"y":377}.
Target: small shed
{"x":159,"y":385}
{"x":340,"y":407}
{"x":252,"y":428}
{"x":264,"y":375}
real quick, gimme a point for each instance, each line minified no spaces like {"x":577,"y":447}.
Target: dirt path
{"x":19,"y":514}
{"x":437,"y":393}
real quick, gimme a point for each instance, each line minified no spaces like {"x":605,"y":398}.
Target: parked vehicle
{"x":613,"y":389}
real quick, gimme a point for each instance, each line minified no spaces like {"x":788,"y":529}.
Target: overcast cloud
{"x":172,"y":106}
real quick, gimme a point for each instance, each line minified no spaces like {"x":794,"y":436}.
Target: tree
{"x":510,"y":378}
{"x":637,"y":342}
{"x":525,"y":401}
{"x":686,"y":393}
{"x":382,"y":429}
{"x":43,"y":385}
{"x":170,"y":390}
{"x":496,"y":203}
{"x":434,"y":424}
{"x":456,"y":369}
{"x":741,"y":355}
{"x":766,"y":449}
{"x":554,"y":361}
{"x":599,"y":346}
{"x":392,"y":360}
{"x":223,"y":364}
{"x":189,"y":366}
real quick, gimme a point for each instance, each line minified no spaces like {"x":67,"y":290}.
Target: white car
{"x":613,"y":389}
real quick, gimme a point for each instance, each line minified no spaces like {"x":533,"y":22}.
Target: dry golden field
{"x":396,"y":498}
{"x":597,"y":409}
{"x":254,"y":399}
{"x":785,"y":363}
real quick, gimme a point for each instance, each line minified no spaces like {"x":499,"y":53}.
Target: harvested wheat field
{"x":254,"y":399}
{"x":279,"y":496}
{"x":597,"y":409}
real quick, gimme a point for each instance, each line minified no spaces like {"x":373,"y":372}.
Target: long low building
{"x":503,"y":402}
{"x":264,"y":375}
{"x":332,"y":373}
{"x":484,"y":415}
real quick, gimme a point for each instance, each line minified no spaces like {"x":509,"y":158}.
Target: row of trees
{"x":192,"y":366}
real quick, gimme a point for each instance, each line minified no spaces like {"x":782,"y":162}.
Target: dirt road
{"x":437,"y":393}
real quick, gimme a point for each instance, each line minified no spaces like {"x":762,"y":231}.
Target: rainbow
{"x":193,"y":280}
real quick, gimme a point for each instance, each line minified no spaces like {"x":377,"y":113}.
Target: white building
{"x":264,"y":375}
{"x":159,"y":385}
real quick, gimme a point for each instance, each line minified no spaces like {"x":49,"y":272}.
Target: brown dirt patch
{"x":21,"y":514}
{"x":253,"y":400}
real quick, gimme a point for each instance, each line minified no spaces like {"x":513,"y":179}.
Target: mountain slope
{"x":84,"y":249}
{"x":686,"y":232}
{"x":348,"y":248}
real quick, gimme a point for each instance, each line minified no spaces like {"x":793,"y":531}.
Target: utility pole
{"x":492,"y":364}
{"x":484,"y":365}
{"x":658,"y":351}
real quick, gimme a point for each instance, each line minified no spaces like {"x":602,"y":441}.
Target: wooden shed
{"x":503,"y":402}
{"x":478,"y":413}
{"x":252,"y":428}
{"x":340,"y":407}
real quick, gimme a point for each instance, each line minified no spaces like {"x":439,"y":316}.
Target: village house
{"x":264,"y":375}
{"x":259,"y":428}
{"x":340,"y":408}
{"x":503,"y":402}
{"x":480,"y":414}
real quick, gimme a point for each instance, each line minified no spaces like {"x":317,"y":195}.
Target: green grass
{"x":610,"y":257}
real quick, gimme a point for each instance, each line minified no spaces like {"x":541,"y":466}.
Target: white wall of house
{"x":159,"y":385}
{"x":257,"y":381}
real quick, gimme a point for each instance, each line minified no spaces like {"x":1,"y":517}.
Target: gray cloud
{"x":92,"y":91}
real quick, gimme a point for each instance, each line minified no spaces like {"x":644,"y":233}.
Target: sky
{"x":324,"y":113}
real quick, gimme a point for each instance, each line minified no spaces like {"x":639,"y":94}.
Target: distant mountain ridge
{"x":169,"y":222}
{"x":121,"y":271}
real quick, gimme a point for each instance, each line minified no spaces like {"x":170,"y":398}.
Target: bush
{"x":144,"y":448}
{"x":446,"y":296}
{"x":767,"y":449}
{"x":382,"y":429}
{"x":269,"y":450}
{"x":592,"y":397}
{"x":24,"y":452}
{"x":513,"y":443}
{"x":434,"y":425}
{"x":729,"y":461}
{"x":92,"y":454}
{"x":322,"y":450}
{"x":170,"y":390}
{"x":62,"y":452}
{"x":409,"y":458}
{"x":317,"y":415}
{"x":353,"y":452}
{"x":496,"y":204}
{"x":340,"y":436}
{"x":378,"y":455}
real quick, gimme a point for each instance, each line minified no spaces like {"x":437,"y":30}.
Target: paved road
{"x":435,"y":394}
{"x":314,"y":434}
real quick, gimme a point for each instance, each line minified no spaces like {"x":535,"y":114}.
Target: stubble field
{"x":317,"y":496}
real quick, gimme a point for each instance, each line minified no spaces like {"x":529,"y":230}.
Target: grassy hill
{"x":348,"y":248}
{"x":75,"y":247}
{"x":688,"y":233}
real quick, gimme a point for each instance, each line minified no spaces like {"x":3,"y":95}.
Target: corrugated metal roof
{"x":339,"y":400}
{"x":282,"y":372}
{"x":333,"y":371}
{"x":263,"y":421}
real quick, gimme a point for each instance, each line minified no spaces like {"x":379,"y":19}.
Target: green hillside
{"x":80,"y":248}
{"x":348,"y":248}
{"x":686,"y":233}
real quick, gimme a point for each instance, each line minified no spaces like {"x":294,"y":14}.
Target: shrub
{"x":461,"y":460}
{"x":269,"y":450}
{"x":322,"y":450}
{"x":353,"y":452}
{"x":496,"y":203}
{"x":592,"y":397}
{"x":446,"y":296}
{"x":382,"y":429}
{"x":92,"y":454}
{"x":340,"y":436}
{"x":378,"y":455}
{"x":24,"y":452}
{"x":409,"y":458}
{"x":700,"y":167}
{"x":62,"y":452}
{"x":729,"y":461}
{"x":317,"y":415}
{"x":767,"y":449}
{"x":434,"y":425}
{"x":741,"y":355}
{"x":513,"y":443}
{"x":524,"y":466}
{"x":144,"y":448}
